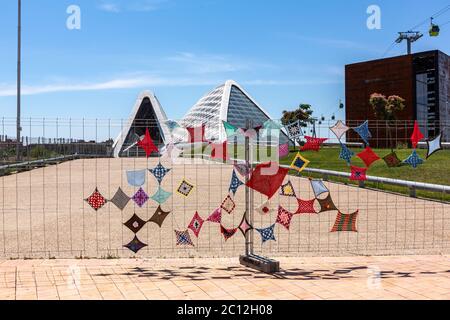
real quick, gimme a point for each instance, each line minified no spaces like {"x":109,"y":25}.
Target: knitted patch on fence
{"x":434,"y":145}
{"x":147,"y":144}
{"x":230,"y":130}
{"x":185,"y":188}
{"x":305,"y":206}
{"x":235,"y":183}
{"x":346,"y":154}
{"x":265,"y":208}
{"x":219,"y":151}
{"x":120,"y":199}
{"x":96,"y":200}
{"x":267,"y":233}
{"x":327,"y":204}
{"x":345,"y":222}
{"x":135,"y":224}
{"x":161,"y":196}
{"x":368,"y":156}
{"x":159,"y":216}
{"x":135,"y":245}
{"x":284,"y":217}
{"x":364,"y":132}
{"x":228,"y":204}
{"x":358,"y":174}
{"x":140,"y":197}
{"x":313,"y":144}
{"x":245,"y":226}
{"x":159,"y":172}
{"x":339,"y":129}
{"x":267,"y":178}
{"x":196,"y":134}
{"x":318,"y":187}
{"x":287,"y":190}
{"x":392,"y":160}
{"x":215,"y":216}
{"x":299,"y":163}
{"x":183,"y":238}
{"x":283,"y":150}
{"x":136,"y":178}
{"x":227,"y":233}
{"x":242,"y":168}
{"x":414,"y":160}
{"x":416,"y":135}
{"x":294,"y":130}
{"x":196,"y":224}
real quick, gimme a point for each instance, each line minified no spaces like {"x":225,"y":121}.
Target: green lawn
{"x":434,"y":170}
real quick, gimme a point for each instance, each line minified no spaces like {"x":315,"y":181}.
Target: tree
{"x":386,"y":109}
{"x":303,"y":113}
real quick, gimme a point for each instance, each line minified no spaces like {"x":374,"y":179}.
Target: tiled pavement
{"x":405,"y":277}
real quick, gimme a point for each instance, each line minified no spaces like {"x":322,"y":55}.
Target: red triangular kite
{"x":267,"y":178}
{"x":416,"y":135}
{"x":147,"y":144}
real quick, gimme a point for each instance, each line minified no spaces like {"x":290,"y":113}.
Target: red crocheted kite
{"x":147,"y":144}
{"x":313,"y":144}
{"x":267,"y":178}
{"x":416,"y":135}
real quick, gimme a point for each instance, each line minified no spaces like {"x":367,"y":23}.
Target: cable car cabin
{"x":434,"y":30}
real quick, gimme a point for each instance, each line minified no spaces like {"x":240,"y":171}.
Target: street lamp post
{"x":19,"y":39}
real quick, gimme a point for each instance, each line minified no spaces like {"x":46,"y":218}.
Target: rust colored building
{"x":422,"y":79}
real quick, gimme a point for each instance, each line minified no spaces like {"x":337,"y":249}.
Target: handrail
{"x":37,"y":162}
{"x":412,"y":185}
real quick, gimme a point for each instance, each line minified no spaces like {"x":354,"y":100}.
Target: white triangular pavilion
{"x":147,"y":113}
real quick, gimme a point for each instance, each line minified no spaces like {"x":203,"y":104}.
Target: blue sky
{"x":282,"y":52}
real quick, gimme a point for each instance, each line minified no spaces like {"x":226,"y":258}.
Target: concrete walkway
{"x":393,"y":277}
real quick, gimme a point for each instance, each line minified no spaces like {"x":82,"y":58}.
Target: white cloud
{"x":116,"y":6}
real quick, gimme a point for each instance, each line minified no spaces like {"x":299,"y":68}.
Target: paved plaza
{"x":393,"y":277}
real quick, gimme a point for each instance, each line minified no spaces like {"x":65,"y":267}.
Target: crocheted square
{"x":267,"y":233}
{"x":227,"y":233}
{"x":245,"y":226}
{"x":287,"y":190}
{"x":346,"y":154}
{"x":434,"y":145}
{"x":284,"y":217}
{"x":161,"y":196}
{"x":196,"y":224}
{"x":235,"y":183}
{"x":135,"y":245}
{"x":318,"y":187}
{"x":345,"y":222}
{"x":120,"y":199}
{"x":392,"y":160}
{"x":294,"y":130}
{"x":339,"y":129}
{"x":185,"y":188}
{"x":299,"y":163}
{"x":414,"y":160}
{"x":135,"y":223}
{"x":215,"y":216}
{"x":183,"y":238}
{"x":305,"y":206}
{"x":368,"y":156}
{"x":228,"y":204}
{"x":159,"y":172}
{"x":283,"y":150}
{"x":358,"y":174}
{"x":327,"y":204}
{"x":265,"y":208}
{"x":159,"y":216}
{"x":96,"y":200}
{"x":136,"y":178}
{"x":313,"y":144}
{"x":363,"y":131}
{"x":140,"y":197}
{"x":267,"y":178}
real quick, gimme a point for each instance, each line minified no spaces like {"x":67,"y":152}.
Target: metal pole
{"x":19,"y":40}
